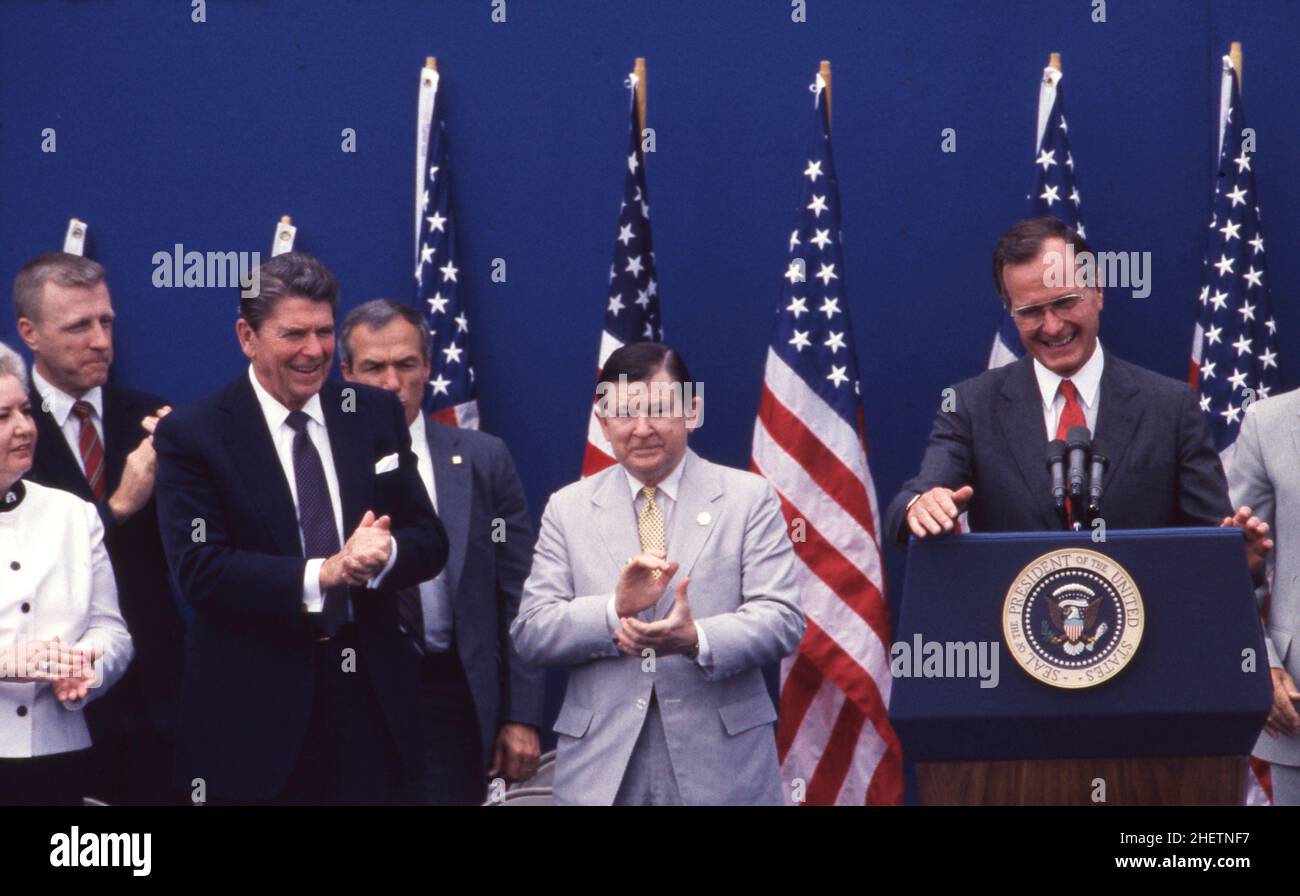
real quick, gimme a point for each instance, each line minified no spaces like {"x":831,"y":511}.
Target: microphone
{"x":1056,"y":467}
{"x":1096,"y":472}
{"x":1077,"y":440}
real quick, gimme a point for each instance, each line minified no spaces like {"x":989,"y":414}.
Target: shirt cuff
{"x":611,"y":615}
{"x":392,"y":558}
{"x":705,"y":656}
{"x":312,"y":599}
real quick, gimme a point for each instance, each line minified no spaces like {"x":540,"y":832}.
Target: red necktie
{"x":1072,"y":415}
{"x":92,"y":450}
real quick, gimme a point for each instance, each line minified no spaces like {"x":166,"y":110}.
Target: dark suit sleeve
{"x":524,"y":687}
{"x":947,"y":462}
{"x":421,"y":539}
{"x":209,"y":571}
{"x":1202,"y":485}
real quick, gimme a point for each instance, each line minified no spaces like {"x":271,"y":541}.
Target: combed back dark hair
{"x":638,"y":361}
{"x":375,"y":315}
{"x":63,"y":268}
{"x":290,"y":274}
{"x":1024,"y":241}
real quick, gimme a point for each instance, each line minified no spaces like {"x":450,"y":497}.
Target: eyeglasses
{"x":1034,"y":313}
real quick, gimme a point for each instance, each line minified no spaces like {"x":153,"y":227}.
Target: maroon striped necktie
{"x":92,"y":449}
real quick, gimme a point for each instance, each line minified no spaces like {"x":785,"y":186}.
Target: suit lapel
{"x":353,"y":466}
{"x":1117,"y":417}
{"x":614,"y":517}
{"x":454,"y":485}
{"x":696,"y":512}
{"x":119,"y":435}
{"x":249,"y":441}
{"x":59,"y":466}
{"x":1022,"y":427}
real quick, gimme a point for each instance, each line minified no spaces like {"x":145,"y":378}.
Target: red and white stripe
{"x":462,"y":416}
{"x":599,"y":453}
{"x":834,"y":738}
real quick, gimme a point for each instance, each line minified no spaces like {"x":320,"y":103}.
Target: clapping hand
{"x":642,"y":582}
{"x":675,"y":633}
{"x":363,"y":557}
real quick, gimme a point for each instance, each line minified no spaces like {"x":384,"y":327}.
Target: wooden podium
{"x":1161,"y":781}
{"x":1172,"y":726}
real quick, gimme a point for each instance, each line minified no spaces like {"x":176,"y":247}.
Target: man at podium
{"x":986,"y":454}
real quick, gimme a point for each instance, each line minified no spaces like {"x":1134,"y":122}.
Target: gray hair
{"x":377,"y":314}
{"x":12,"y":365}
{"x":64,"y":268}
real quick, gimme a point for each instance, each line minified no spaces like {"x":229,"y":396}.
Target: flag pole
{"x":825,"y":72}
{"x":1054,"y":61}
{"x":1234,"y":51}
{"x":431,"y":62}
{"x":639,"y":70}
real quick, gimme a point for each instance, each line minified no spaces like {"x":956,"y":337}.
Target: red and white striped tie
{"x":92,"y":450}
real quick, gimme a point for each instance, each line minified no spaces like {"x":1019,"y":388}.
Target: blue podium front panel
{"x":1196,"y":684}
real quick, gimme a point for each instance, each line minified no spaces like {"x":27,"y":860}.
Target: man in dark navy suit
{"x":292,"y":512}
{"x":95,"y":441}
{"x":486,"y":703}
{"x":987,"y":452}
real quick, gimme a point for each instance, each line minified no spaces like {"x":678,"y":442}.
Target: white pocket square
{"x":385,"y":464}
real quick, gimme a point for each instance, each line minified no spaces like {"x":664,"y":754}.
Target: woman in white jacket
{"x":63,"y":641}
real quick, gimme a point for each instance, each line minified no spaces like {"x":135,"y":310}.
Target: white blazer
{"x":55,"y":579}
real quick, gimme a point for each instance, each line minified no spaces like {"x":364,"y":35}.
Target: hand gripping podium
{"x":1130,"y":671}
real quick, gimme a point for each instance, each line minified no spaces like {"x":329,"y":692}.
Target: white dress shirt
{"x":55,"y":581}
{"x":435,"y":601}
{"x":1087,"y":382}
{"x":666,"y":498}
{"x":60,"y":406}
{"x":282,"y":434}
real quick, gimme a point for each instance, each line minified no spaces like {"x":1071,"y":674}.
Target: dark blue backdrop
{"x":204,"y":134}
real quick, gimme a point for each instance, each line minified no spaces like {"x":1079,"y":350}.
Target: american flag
{"x":452,"y":397}
{"x":1234,"y":345}
{"x":1054,"y":194}
{"x":632,"y":310}
{"x":833,"y":738}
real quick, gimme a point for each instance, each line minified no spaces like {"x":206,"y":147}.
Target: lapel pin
{"x":704,"y":518}
{"x":455,"y":458}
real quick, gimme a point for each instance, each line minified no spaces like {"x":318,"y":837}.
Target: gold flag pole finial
{"x":1054,"y":61}
{"x":825,"y":71}
{"x":431,"y":62}
{"x":1234,"y":51}
{"x":285,"y":219}
{"x":639,"y":70}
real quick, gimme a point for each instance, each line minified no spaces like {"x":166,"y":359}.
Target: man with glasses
{"x":988,"y":446}
{"x":666,"y":702}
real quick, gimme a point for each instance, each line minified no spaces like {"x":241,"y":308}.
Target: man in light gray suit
{"x":1264,"y":473}
{"x":666,"y":702}
{"x":486,"y":705}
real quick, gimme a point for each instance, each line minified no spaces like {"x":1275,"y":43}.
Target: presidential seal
{"x":1073,"y":618}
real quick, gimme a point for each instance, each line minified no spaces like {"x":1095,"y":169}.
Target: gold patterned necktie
{"x":650,"y":526}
